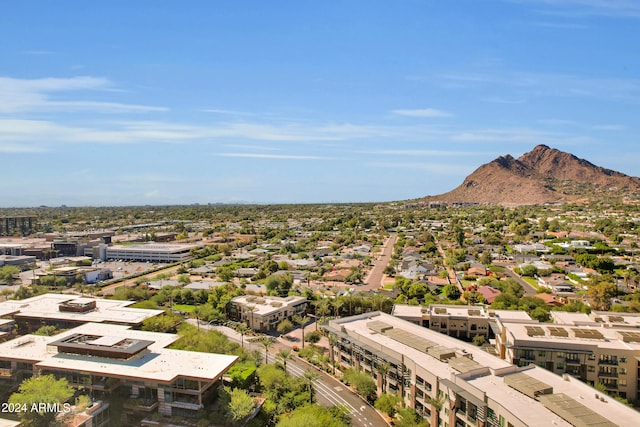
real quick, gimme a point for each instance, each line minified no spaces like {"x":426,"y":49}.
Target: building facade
{"x":453,"y":383}
{"x":264,"y":313}
{"x":116,"y":362}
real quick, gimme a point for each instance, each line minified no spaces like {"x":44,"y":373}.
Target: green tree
{"x":478,"y":340}
{"x":301,"y":321}
{"x":309,"y":377}
{"x":266,"y":342}
{"x":313,"y":337}
{"x":225,"y":274}
{"x":240,"y":404}
{"x":284,"y":355}
{"x":47,"y":330}
{"x":388,"y":403}
{"x":363,"y":383}
{"x":36,"y":390}
{"x":7,"y":272}
{"x":451,"y":292}
{"x":529,"y":270}
{"x":162,"y":323}
{"x":407,"y":417}
{"x":458,"y":233}
{"x":601,"y":293}
{"x":315,"y":416}
{"x":285,"y":327}
{"x":243,"y":330}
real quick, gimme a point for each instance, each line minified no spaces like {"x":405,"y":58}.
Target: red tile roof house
{"x":489,"y":293}
{"x":551,"y":300}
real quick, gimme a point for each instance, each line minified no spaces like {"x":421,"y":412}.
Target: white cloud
{"x":520,"y":135}
{"x":430,"y":153}
{"x":439,"y":168}
{"x":546,"y":84}
{"x":424,"y":113}
{"x":579,"y":8}
{"x":24,"y":95}
{"x":615,"y":128}
{"x":19,"y":148}
{"x":271,"y":156}
{"x":226,"y":112}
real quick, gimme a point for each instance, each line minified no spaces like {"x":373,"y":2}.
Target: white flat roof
{"x":153,"y":247}
{"x":506,"y":315}
{"x":611,"y":337}
{"x":406,"y":310}
{"x":442,"y":369}
{"x":531,"y":411}
{"x":155,"y":364}
{"x":567,"y":318}
{"x":456,"y":310}
{"x":264,"y":305}
{"x":46,"y":307}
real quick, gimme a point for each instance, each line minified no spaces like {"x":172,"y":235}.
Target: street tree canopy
{"x":39,"y":390}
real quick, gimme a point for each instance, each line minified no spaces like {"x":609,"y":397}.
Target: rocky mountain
{"x":543,"y":175}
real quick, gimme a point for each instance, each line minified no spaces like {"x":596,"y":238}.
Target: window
{"x":623,"y":371}
{"x":473,"y":412}
{"x":541,"y":353}
{"x":591,"y":368}
{"x":473,"y":327}
{"x":592,"y":356}
{"x":560,"y":355}
{"x":502,"y":421}
{"x":560,"y":366}
{"x":622,"y":382}
{"x":623,"y":360}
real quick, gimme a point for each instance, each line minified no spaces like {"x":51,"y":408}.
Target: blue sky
{"x":147,"y":102}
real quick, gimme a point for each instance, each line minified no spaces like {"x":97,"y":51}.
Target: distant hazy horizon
{"x":146,"y":103}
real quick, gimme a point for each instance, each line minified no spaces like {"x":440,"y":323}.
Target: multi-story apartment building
{"x":601,"y":348}
{"x":109,"y":360}
{"x":458,"y":321}
{"x":263,"y":313}
{"x":453,"y":383}
{"x":68,"y":311}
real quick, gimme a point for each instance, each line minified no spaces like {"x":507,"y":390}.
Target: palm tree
{"x":383,"y":370}
{"x":302,"y":321}
{"x":322,"y":309}
{"x":338,"y":302}
{"x":243,"y":330}
{"x":266,"y":342}
{"x":284,"y":355}
{"x":251,"y":309}
{"x":310,"y":377}
{"x":332,"y":341}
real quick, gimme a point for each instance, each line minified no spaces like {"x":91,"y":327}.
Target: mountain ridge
{"x":543,"y":175}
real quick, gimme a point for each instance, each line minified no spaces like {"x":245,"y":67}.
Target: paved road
{"x":452,"y":273}
{"x":528,"y":289}
{"x":329,"y":391}
{"x":375,"y":276}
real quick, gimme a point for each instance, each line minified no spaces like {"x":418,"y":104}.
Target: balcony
{"x":145,"y":405}
{"x":186,"y":405}
{"x":612,"y":374}
{"x":5,"y":373}
{"x":612,"y":362}
{"x":572,"y":361}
